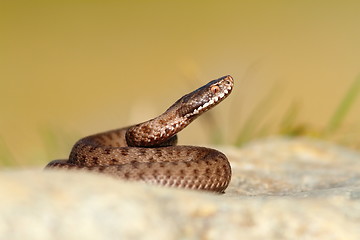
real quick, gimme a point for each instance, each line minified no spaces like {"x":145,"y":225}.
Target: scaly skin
{"x":147,"y":152}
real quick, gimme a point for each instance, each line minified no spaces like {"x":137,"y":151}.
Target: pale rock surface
{"x":281,"y":189}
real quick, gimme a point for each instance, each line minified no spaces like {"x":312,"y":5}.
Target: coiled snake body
{"x":147,"y":152}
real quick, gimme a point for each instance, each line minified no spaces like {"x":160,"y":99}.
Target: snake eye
{"x":214,"y":89}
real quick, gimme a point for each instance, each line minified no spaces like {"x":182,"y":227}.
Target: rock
{"x":281,"y":189}
{"x":285,"y":166}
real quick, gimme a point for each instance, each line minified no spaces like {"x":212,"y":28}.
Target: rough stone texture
{"x":281,"y":189}
{"x":281,"y":166}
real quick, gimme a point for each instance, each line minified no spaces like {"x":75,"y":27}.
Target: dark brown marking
{"x":162,"y":122}
{"x":92,"y":149}
{"x":134,"y":164}
{"x":177,"y":183}
{"x":102,"y":168}
{"x":167,"y":131}
{"x":145,"y":129}
{"x":124,"y":152}
{"x":82,"y":146}
{"x":158,"y":152}
{"x":227,"y":170}
{"x":142,"y":151}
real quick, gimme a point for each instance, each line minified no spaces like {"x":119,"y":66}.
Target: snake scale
{"x":148,"y":152}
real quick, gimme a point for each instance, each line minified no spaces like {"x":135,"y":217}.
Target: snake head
{"x":158,"y":131}
{"x":204,"y":98}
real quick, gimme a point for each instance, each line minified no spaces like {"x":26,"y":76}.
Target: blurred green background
{"x":73,"y":68}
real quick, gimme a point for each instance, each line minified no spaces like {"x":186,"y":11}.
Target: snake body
{"x":148,"y":152}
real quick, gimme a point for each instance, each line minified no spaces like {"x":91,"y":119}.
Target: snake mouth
{"x":180,"y":114}
{"x":207,"y":96}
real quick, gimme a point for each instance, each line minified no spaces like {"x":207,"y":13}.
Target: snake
{"x":148,"y":152}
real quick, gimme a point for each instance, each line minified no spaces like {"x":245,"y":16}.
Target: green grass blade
{"x":344,"y":107}
{"x":256,"y":118}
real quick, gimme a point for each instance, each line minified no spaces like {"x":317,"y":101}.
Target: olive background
{"x":73,"y":68}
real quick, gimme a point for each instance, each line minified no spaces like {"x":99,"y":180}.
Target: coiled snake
{"x":147,"y":152}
